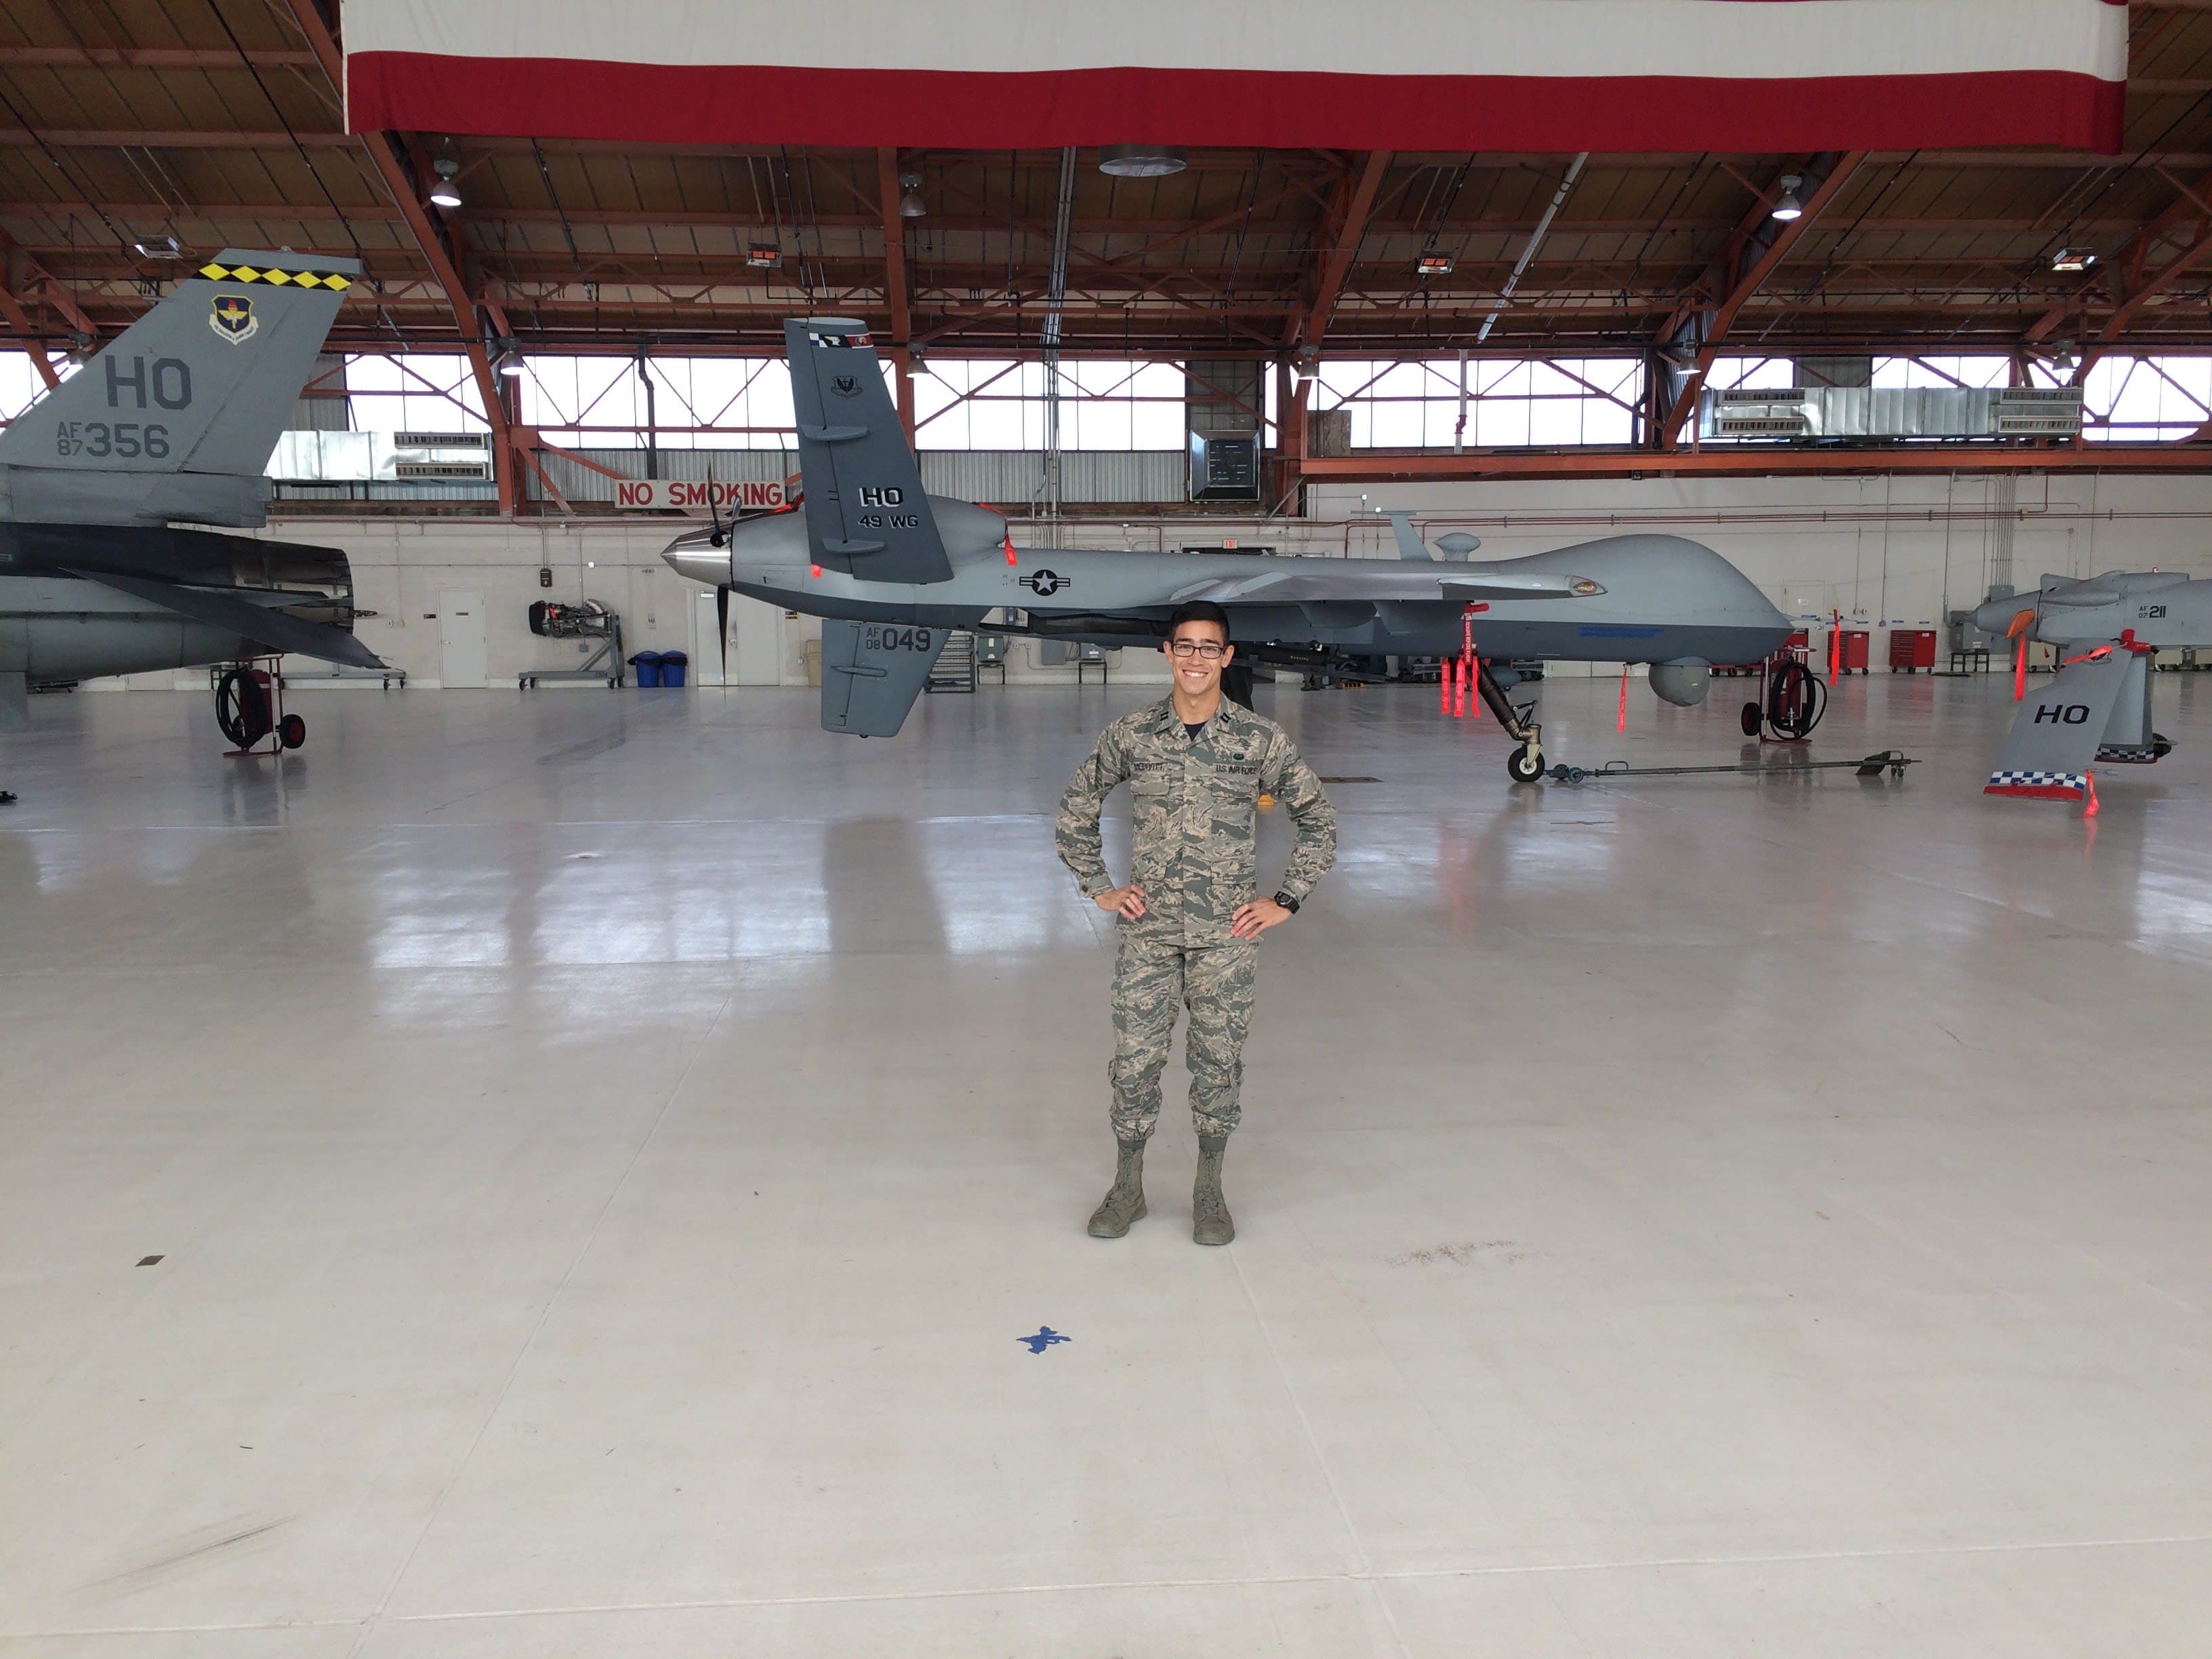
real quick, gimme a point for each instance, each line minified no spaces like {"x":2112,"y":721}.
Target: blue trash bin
{"x":647,"y":664}
{"x":672,"y":665}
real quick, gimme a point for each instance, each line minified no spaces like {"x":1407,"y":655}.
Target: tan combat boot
{"x":1209,"y":1211}
{"x":1124,"y":1203}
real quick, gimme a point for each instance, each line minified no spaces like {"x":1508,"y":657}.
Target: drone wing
{"x":1309,"y":581}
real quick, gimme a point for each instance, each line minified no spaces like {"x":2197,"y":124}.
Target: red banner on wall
{"x":1755,"y":75}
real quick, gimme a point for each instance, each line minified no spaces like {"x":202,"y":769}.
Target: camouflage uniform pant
{"x":1214,"y":981}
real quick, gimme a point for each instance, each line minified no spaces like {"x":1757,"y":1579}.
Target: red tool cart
{"x":1857,"y":644}
{"x":1912,"y":649}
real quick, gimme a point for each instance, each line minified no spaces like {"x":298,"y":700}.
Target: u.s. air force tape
{"x":334,"y":281}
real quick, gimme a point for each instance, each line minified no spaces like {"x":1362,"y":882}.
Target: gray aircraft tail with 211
{"x":2097,"y":708}
{"x":889,"y":568}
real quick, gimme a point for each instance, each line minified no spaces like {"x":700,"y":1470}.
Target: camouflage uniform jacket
{"x":1196,"y":804}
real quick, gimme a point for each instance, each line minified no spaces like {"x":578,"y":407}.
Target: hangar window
{"x":687,"y":402}
{"x":720,"y":402}
{"x":1751,"y":374}
{"x":1936,"y":373}
{"x":411,"y":392}
{"x":20,"y":384}
{"x":997,"y":404}
{"x":2141,"y":399}
{"x":1505,"y":404}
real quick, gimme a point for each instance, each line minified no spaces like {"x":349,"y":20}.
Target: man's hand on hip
{"x":1256,"y":918}
{"x":1126,"y":902}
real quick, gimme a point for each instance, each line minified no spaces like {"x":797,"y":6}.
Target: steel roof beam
{"x":430,"y":239}
{"x":151,"y":58}
{"x":1752,"y":461}
{"x":1761,"y":244}
{"x":1340,"y":246}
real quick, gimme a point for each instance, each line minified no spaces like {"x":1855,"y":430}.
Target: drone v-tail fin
{"x":871,"y":672}
{"x":866,"y":515}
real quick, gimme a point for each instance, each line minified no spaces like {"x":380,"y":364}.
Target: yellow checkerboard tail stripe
{"x":334,"y":281}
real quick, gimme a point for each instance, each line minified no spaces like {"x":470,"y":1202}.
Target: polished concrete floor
{"x":570,"y":1175}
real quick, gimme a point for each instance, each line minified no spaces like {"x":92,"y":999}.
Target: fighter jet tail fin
{"x":201,"y":383}
{"x":871,"y":672}
{"x":866,"y":512}
{"x":2060,"y":728}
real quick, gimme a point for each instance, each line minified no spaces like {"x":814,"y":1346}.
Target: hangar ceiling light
{"x":911,"y":206}
{"x":1434,"y":264}
{"x":2072,"y":258}
{"x":1789,"y":207}
{"x":160,"y":247}
{"x":1142,"y":161}
{"x":445,"y":193}
{"x":507,"y":357}
{"x":764,"y":256}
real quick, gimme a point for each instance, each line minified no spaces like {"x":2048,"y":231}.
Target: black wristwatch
{"x":1287,"y":903}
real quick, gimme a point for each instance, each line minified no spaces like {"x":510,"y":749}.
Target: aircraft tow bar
{"x":1893,"y":761}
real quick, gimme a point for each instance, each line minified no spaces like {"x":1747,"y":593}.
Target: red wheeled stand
{"x":1791,"y":698}
{"x":249,"y":707}
{"x":1912,"y":649}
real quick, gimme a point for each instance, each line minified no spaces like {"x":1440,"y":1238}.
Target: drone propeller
{"x":715,"y":509}
{"x":717,"y":538}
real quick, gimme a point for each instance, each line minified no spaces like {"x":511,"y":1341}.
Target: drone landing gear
{"x":1526,"y":763}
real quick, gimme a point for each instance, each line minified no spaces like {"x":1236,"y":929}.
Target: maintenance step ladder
{"x":956,"y":664}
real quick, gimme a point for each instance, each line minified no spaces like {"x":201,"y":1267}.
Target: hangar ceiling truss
{"x":129,"y":122}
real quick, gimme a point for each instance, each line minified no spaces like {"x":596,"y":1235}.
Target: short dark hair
{"x":1200,"y":610}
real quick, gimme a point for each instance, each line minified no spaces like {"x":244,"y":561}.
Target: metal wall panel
{"x":581,"y":483}
{"x":1006,"y":479}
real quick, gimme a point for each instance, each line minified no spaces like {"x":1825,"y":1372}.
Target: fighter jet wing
{"x":871,"y":672}
{"x":1298,"y":584}
{"x":2055,"y":736}
{"x":257,"y":622}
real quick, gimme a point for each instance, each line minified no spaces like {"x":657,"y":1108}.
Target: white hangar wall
{"x":1888,"y":552}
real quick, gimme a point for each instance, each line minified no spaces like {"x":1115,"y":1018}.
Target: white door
{"x":460,"y":640}
{"x":755,"y":642}
{"x":706,"y":649}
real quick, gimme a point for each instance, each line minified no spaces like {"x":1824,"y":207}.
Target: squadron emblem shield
{"x":233,"y":318}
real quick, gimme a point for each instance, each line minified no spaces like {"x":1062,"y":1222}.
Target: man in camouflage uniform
{"x":1189,"y":919}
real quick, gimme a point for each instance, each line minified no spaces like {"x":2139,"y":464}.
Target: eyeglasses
{"x":1212,"y":650}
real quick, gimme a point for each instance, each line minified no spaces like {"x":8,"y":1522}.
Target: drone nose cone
{"x":697,"y":557}
{"x":1996,"y":616}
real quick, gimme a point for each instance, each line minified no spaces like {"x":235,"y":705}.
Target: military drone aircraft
{"x":892,"y":569}
{"x":173,"y":423}
{"x":2097,"y":708}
